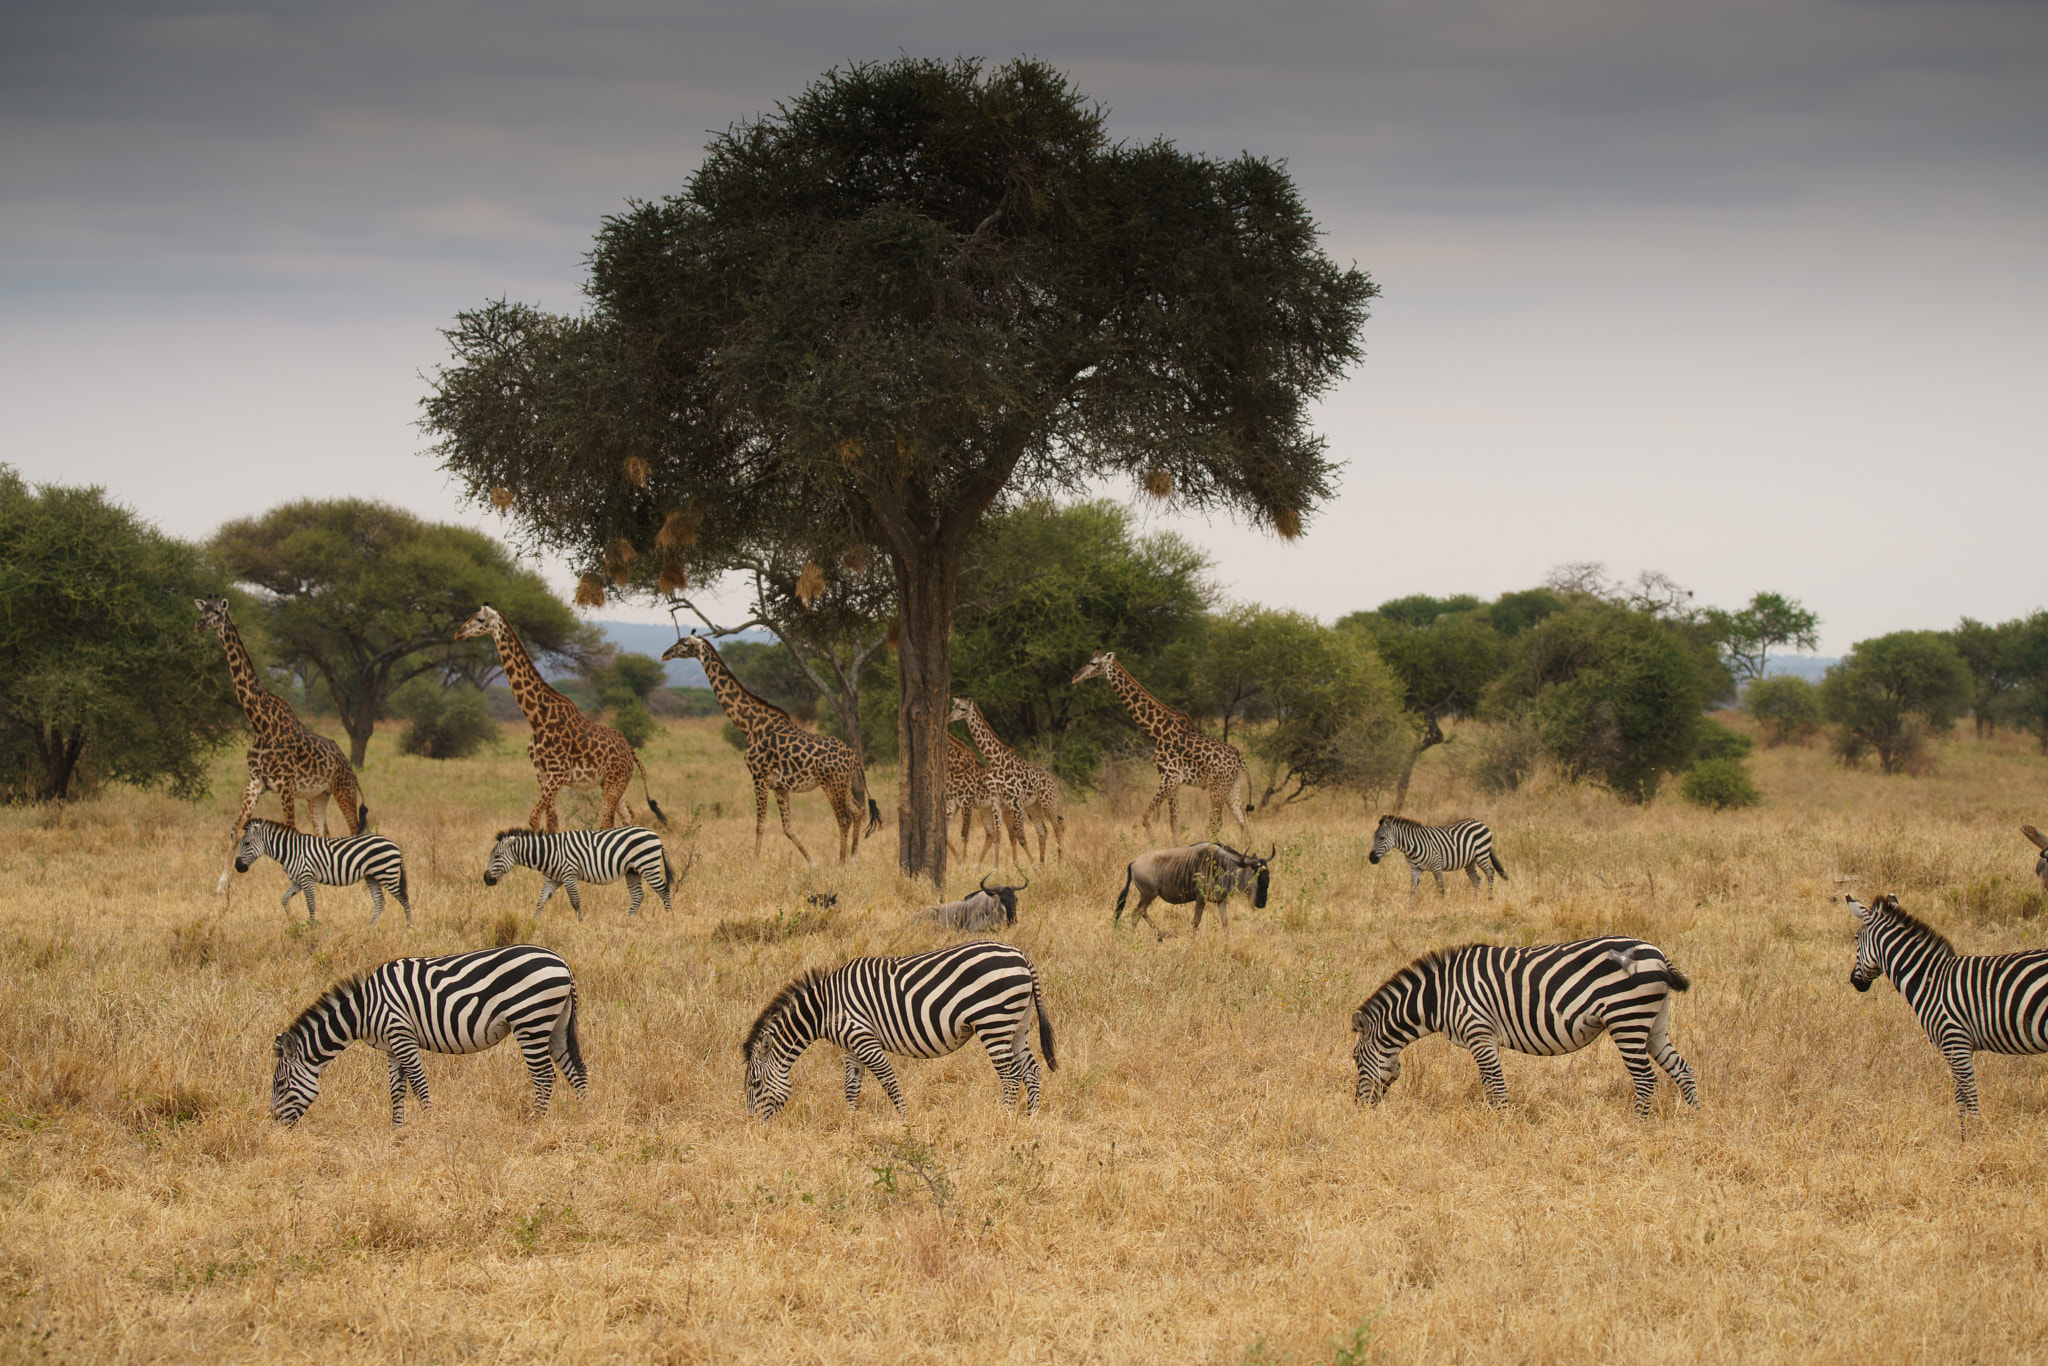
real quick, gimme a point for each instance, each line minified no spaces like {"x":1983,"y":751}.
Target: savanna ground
{"x":1199,"y":1185}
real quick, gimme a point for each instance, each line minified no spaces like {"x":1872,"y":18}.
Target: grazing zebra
{"x":1548,"y":999}
{"x":308,"y":859}
{"x":924,"y":1006}
{"x":461,"y":1003}
{"x":1434,"y":848}
{"x":1965,"y":1002}
{"x":565,"y":858}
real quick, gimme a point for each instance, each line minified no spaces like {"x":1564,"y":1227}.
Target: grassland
{"x":1198,"y":1187}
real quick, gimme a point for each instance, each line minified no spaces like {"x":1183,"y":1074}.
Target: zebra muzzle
{"x":1373,"y":857}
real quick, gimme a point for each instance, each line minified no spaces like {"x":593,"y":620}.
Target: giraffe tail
{"x":652,"y":805}
{"x":874,"y":817}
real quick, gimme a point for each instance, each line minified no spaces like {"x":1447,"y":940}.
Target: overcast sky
{"x":1753,"y":294}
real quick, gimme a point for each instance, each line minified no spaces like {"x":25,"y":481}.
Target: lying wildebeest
{"x":2040,"y":864}
{"x":990,"y":908}
{"x":1200,"y":873}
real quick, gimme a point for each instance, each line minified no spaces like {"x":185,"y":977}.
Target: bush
{"x":1508,"y":755}
{"x":1786,"y":707}
{"x":1719,"y":785}
{"x":444,"y":723}
{"x":1721,"y":742}
{"x":636,"y":723}
{"x":1889,"y":693}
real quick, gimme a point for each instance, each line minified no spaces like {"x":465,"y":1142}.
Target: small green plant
{"x":508,"y":929}
{"x":1719,"y":785}
{"x":912,"y":1160}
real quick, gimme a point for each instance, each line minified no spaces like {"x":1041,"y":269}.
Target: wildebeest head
{"x":824,"y":901}
{"x":1007,"y":896}
{"x":2040,"y":864}
{"x":1254,"y":869}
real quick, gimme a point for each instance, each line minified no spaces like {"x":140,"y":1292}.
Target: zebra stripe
{"x":307,"y":859}
{"x":460,"y":1003}
{"x":922,"y":1006}
{"x":1549,"y":999}
{"x":1966,"y":1003}
{"x":1434,"y":848}
{"x":565,"y":858}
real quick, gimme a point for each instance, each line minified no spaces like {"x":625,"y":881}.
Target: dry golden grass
{"x":1199,"y":1185}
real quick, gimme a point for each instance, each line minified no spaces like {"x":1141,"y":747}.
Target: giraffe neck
{"x":1153,"y":716}
{"x":992,"y":749}
{"x":257,"y":701}
{"x":745,"y":710}
{"x":537,"y":700}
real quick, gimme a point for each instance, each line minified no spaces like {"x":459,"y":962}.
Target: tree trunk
{"x":924,"y":638}
{"x":361,"y":725}
{"x":59,"y":754}
{"x":1432,"y":735}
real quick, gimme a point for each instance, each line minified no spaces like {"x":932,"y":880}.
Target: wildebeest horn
{"x":1027,"y":883}
{"x":984,"y":882}
{"x":1270,"y":853}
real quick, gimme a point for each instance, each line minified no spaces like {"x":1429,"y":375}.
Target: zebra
{"x":307,"y":859}
{"x":1966,"y":1003}
{"x":1434,"y":848}
{"x":925,"y":1005}
{"x":565,"y":858}
{"x":1548,"y":999}
{"x":460,"y":1003}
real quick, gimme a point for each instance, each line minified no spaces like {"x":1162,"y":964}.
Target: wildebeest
{"x":2040,"y":864}
{"x":989,"y":908}
{"x":1200,"y":873}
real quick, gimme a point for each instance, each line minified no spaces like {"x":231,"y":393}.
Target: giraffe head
{"x":1098,"y":666}
{"x":485,"y":623}
{"x":689,"y":647}
{"x":961,"y":707}
{"x":213,"y":616}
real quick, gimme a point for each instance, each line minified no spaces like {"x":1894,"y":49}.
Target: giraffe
{"x":968,"y":791}
{"x":285,"y":755}
{"x":1027,"y":790}
{"x":568,"y":749}
{"x":784,"y":758}
{"x":1185,"y":756}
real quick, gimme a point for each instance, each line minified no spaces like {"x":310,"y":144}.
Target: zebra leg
{"x":1635,"y":1055}
{"x":376,"y":901}
{"x":853,"y":1073}
{"x":633,"y":893}
{"x":866,"y":1052}
{"x":1472,"y":871}
{"x":1414,"y":882}
{"x":658,"y":879}
{"x":1438,"y":874}
{"x":566,"y":1050}
{"x":536,"y":1046}
{"x":404,"y":903}
{"x":547,"y":889}
{"x":1667,"y":1057}
{"x":403,"y":1057}
{"x":575,"y":901}
{"x":305,"y":889}
{"x":1963,"y":1064}
{"x":1488,"y":1057}
{"x":1003,"y":1053}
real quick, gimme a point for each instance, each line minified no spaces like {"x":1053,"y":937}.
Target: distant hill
{"x":1810,"y":667}
{"x":650,"y":639}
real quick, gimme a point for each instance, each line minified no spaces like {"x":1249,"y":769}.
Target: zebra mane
{"x":796,"y":987}
{"x":1426,"y":961}
{"x":265,"y":820}
{"x":514,"y":830}
{"x":341,"y":990}
{"x":1914,"y":925}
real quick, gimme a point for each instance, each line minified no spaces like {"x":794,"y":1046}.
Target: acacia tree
{"x":369,"y":596}
{"x":1771,"y":619}
{"x":915,"y":288}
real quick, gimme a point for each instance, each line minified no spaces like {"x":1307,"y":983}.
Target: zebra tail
{"x":1675,"y":979}
{"x":570,"y":1045}
{"x":652,"y":805}
{"x":403,"y":894}
{"x":1502,"y":869}
{"x":1125,"y":894}
{"x":1044,"y":1025}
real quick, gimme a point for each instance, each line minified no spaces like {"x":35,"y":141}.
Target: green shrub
{"x":636,"y":723}
{"x":1508,"y":755}
{"x":1719,"y":785}
{"x":1786,"y":707}
{"x":443,"y":723}
{"x":1722,"y":742}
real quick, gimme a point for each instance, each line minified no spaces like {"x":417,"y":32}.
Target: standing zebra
{"x":1965,"y":1002}
{"x":1548,"y":999}
{"x":1434,"y":848}
{"x":924,"y":1006}
{"x":308,"y":859}
{"x":462,"y":1003}
{"x":565,"y":858}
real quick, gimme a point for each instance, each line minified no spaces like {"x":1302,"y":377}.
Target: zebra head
{"x":485,"y":623}
{"x":1869,"y":967}
{"x":296,"y":1083}
{"x":1382,"y":841}
{"x":253,"y":847}
{"x":504,"y":856}
{"x":1377,"y":1055}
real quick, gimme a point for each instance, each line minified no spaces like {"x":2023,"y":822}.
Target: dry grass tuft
{"x":1198,"y":1185}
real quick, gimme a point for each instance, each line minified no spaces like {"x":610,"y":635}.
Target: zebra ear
{"x":1862,"y":911}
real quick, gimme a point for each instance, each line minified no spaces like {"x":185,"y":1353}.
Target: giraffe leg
{"x":1173,"y":810}
{"x":549,"y":786}
{"x":291,"y":810}
{"x":760,"y":813}
{"x":841,"y":799}
{"x":782,"y":807}
{"x":316,"y":812}
{"x":1020,"y":847}
{"x":1166,"y":785}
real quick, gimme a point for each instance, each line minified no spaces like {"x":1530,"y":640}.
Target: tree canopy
{"x":1888,"y":692}
{"x":911,"y":291}
{"x":103,"y":668}
{"x":1770,"y":620}
{"x":369,"y":597}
